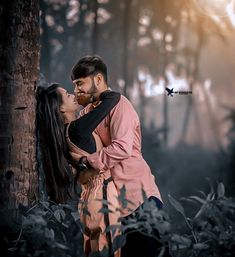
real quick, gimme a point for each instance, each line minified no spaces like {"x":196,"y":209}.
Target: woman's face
{"x":69,"y":103}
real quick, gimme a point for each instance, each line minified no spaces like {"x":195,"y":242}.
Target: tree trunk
{"x":126,"y":31}
{"x":191,"y":101}
{"x":95,"y":28}
{"x":45,"y":61}
{"x":19,"y":65}
{"x":164,"y":62}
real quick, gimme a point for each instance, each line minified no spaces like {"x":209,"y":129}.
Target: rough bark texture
{"x":19,"y":66}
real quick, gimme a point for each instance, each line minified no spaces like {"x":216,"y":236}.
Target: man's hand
{"x":79,"y":162}
{"x":74,"y":159}
{"x":98,"y":94}
{"x":84,"y":175}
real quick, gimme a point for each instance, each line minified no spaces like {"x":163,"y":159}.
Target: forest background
{"x":188,"y":139}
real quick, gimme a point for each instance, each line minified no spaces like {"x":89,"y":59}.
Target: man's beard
{"x":87,"y":98}
{"x":93,"y":88}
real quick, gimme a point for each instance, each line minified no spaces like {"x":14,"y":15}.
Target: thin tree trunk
{"x":126,"y":31}
{"x":80,"y":30}
{"x":212,"y":118}
{"x":163,"y":70}
{"x":45,"y":61}
{"x":95,"y":28}
{"x":190,"y":104}
{"x":19,"y":60}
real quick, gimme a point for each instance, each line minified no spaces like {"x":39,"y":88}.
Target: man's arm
{"x":86,"y":124}
{"x":124,"y":121}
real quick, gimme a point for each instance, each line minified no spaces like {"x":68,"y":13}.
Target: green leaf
{"x":200,"y":246}
{"x":144,"y":195}
{"x":49,"y":234}
{"x":113,"y":228}
{"x":57,"y":215}
{"x":105,"y":210}
{"x":177,"y":247}
{"x":118,"y":242}
{"x":220,"y":190}
{"x":134,"y":226}
{"x":12,"y":249}
{"x":202,"y":193}
{"x":187,"y":200}
{"x":45,"y":204}
{"x":61,"y":246}
{"x":210,"y":197}
{"x":198,"y":199}
{"x":62,"y":214}
{"x":54,"y":207}
{"x":162,"y":252}
{"x":75,"y":215}
{"x":208,"y":234}
{"x":67,"y":206}
{"x":176,"y":205}
{"x":122,"y":197}
{"x":202,"y":209}
{"x":181,"y":240}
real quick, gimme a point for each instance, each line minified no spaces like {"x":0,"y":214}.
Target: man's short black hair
{"x":89,"y":65}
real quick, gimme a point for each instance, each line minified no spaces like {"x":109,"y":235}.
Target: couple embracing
{"x":103,"y":145}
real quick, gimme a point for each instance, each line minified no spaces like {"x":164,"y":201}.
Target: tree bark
{"x":19,"y":65}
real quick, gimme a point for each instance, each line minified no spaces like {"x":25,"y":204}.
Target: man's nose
{"x":76,"y":90}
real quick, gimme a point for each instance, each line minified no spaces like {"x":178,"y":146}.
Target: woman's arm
{"x":85,"y":125}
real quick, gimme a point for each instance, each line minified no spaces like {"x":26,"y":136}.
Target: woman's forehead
{"x":62,"y":90}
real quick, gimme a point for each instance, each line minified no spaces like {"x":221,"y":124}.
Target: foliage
{"x":231,"y":151}
{"x":211,"y":231}
{"x":55,"y":230}
{"x":49,"y":230}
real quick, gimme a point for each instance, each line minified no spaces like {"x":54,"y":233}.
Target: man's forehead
{"x":79,"y":80}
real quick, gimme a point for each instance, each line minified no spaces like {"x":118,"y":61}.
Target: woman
{"x":60,"y":132}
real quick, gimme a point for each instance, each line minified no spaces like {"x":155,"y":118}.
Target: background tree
{"x":19,"y":65}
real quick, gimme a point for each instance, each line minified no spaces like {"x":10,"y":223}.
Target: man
{"x":121,"y":136}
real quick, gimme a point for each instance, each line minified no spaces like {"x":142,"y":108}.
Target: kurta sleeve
{"x":123,"y":125}
{"x":85,"y":125}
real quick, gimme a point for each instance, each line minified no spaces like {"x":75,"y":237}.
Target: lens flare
{"x":230,"y":9}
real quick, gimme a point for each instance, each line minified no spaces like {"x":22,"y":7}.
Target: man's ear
{"x":98,"y":79}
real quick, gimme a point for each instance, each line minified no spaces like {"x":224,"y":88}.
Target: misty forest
{"x":188,"y":135}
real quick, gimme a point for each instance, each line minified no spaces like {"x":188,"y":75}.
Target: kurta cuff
{"x":95,"y":162}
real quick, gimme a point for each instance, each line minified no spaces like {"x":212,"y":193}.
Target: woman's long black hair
{"x":52,"y":143}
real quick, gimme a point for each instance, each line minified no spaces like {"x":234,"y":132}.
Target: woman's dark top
{"x":80,"y":130}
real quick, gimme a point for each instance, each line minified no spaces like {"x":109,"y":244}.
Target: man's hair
{"x":88,"y":66}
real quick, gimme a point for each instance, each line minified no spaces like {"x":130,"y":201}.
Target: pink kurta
{"x":121,"y":135}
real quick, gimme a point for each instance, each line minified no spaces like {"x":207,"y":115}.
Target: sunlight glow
{"x":230,"y":9}
{"x":156,"y":86}
{"x":217,"y":9}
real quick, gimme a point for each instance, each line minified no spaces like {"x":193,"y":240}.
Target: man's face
{"x":83,"y":89}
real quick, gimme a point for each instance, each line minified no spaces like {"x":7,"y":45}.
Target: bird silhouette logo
{"x":170,"y":91}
